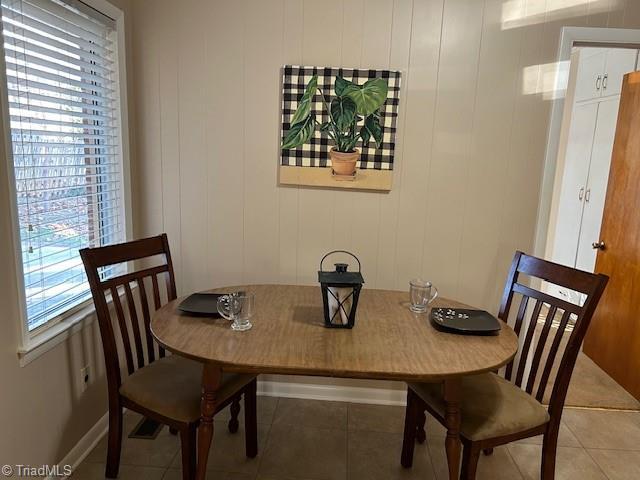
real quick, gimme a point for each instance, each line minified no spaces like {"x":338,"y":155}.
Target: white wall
{"x":472,"y":135}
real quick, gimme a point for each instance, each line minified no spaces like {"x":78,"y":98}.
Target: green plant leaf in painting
{"x":341,"y":84}
{"x":371,"y":129}
{"x":343,"y":112}
{"x":325,"y":127}
{"x":304,"y":106}
{"x":368,"y":97}
{"x":299,"y":134}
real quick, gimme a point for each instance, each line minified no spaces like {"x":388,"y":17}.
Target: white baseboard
{"x":87,"y":443}
{"x":335,"y":393}
{"x":311,"y":391}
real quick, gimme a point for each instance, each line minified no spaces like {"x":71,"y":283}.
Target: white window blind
{"x":62,"y":85}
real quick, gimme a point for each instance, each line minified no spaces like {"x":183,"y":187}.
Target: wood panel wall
{"x":472,"y":134}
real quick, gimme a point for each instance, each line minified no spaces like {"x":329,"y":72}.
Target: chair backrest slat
{"x":157,"y":304}
{"x":542,"y":341}
{"x":135,"y":324}
{"x":124,"y":333}
{"x":156,"y":292}
{"x":555,"y":345}
{"x":534,"y":355}
{"x":524,"y":353}
{"x":545,"y":297}
{"x":134,"y":276}
{"x":146,"y":317}
{"x":134,"y":320}
{"x":517,"y":327}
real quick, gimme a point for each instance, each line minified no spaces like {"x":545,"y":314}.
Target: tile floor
{"x":309,"y":439}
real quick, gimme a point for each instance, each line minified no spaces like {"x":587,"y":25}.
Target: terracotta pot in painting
{"x":344,"y":163}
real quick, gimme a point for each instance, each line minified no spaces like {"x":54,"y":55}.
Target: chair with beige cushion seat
{"x":164,"y":388}
{"x":497,"y":410}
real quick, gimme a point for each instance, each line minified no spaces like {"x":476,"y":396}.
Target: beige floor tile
{"x":297,"y":451}
{"x":604,"y":429}
{"x":434,"y":428}
{"x":375,"y":418}
{"x":176,"y":474}
{"x":311,"y":413}
{"x":266,"y":409}
{"x":498,"y":466}
{"x":95,"y":471}
{"x":376,"y":456}
{"x":155,"y":453}
{"x":617,"y":464}
{"x":565,"y":438}
{"x":227,"y":451}
{"x":571,"y":463}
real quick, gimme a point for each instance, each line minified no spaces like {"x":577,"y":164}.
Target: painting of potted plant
{"x":353,"y":117}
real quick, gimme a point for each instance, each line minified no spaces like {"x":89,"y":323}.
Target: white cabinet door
{"x":597,"y":183}
{"x":574,"y":180}
{"x":590,"y":72}
{"x":619,"y":61}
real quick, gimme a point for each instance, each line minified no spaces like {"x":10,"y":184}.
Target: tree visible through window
{"x":61,"y":71}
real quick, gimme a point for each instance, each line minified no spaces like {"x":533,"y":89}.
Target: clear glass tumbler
{"x":237,"y":307}
{"x":421,"y":294}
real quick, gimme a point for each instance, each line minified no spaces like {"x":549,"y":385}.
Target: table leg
{"x":211,"y":376}
{"x":452,"y":420}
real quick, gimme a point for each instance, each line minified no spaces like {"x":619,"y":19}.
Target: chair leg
{"x":188,"y":441}
{"x":549,"y":445}
{"x":411,"y":414}
{"x":235,"y":411}
{"x":487,"y":451}
{"x":114,"y":445}
{"x":470,"y":457}
{"x":251,"y":419}
{"x":421,"y":434}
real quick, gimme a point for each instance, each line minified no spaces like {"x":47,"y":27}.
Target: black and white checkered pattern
{"x":315,"y":153}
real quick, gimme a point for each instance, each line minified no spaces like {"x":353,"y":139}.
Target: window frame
{"x":44,"y":337}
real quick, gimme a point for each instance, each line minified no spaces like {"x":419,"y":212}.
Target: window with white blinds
{"x":63,"y":99}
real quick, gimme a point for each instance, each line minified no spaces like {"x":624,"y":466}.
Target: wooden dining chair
{"x":498,"y":409}
{"x":164,"y":388}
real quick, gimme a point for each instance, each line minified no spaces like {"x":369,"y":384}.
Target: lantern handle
{"x":341,"y":251}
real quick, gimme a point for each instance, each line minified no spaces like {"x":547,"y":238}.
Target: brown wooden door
{"x":613,"y":339}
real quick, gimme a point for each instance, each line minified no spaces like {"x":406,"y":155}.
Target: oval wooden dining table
{"x":388,"y":342}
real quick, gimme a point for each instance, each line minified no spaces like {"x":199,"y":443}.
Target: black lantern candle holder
{"x":340,"y":293}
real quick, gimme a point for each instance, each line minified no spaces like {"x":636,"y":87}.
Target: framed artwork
{"x":310,"y":163}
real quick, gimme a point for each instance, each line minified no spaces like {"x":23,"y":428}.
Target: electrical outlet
{"x":85,"y":377}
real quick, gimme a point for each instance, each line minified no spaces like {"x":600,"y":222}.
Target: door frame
{"x":569,"y":37}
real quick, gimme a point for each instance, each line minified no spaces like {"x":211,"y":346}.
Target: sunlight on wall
{"x":548,"y":79}
{"x":519,"y":13}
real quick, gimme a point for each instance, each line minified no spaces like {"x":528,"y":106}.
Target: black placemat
{"x":465,"y":321}
{"x":203,"y":304}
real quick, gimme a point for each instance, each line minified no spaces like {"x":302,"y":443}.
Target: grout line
{"x":596,"y":463}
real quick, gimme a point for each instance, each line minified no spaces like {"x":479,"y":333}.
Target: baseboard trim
{"x":336,"y":393}
{"x":87,"y":443}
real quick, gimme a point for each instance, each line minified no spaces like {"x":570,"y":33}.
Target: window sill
{"x":44,"y":341}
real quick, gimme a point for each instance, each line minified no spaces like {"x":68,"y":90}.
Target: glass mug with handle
{"x":238,"y":308}
{"x":421,"y":294}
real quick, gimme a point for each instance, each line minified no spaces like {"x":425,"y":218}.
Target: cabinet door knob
{"x":581,"y":194}
{"x":587,"y":195}
{"x":598,"y":82}
{"x":599,"y":245}
{"x":604,"y":81}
